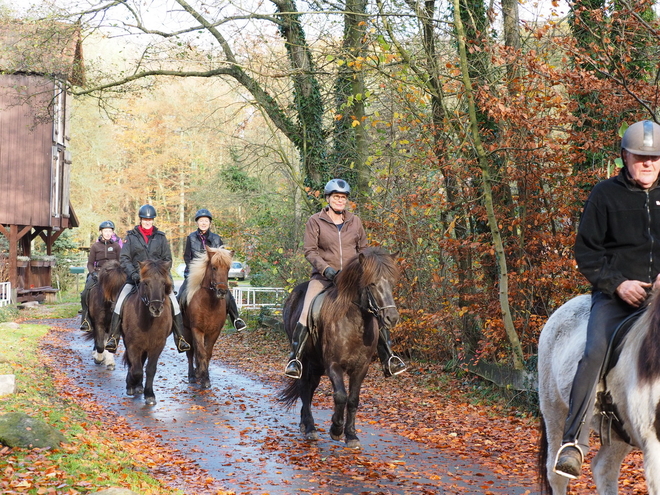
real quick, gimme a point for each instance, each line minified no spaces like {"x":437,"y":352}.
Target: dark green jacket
{"x":136,"y":250}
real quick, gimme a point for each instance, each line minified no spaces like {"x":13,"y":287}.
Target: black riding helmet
{"x":147,"y":211}
{"x":107,"y":225}
{"x":203,"y":213}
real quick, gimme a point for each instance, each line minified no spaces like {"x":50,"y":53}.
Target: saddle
{"x":609,"y":414}
{"x":314,"y":314}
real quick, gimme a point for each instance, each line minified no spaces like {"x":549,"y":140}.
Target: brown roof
{"x":42,"y":47}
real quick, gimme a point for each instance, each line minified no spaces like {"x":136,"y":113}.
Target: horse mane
{"x":369,"y":266}
{"x":111,"y":279}
{"x":648,"y":362}
{"x":160,"y":269}
{"x":219,"y":257}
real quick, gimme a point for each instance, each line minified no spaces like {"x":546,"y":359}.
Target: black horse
{"x":344,"y":322}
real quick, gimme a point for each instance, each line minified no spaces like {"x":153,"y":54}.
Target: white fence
{"x":5,"y":294}
{"x":259,"y":297}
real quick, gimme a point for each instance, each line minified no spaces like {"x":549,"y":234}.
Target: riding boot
{"x":298,"y":340}
{"x":392,"y":364}
{"x":115,"y":333}
{"x":84,"y":315}
{"x":177,"y":331}
{"x":232,"y":309}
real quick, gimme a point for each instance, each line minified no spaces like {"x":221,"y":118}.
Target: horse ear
{"x":169,"y":265}
{"x":209,"y":252}
{"x":361,"y":257}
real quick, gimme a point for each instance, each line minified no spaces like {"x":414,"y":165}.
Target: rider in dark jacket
{"x":106,"y":248}
{"x":618,"y":251}
{"x":196,"y":244}
{"x":144,"y":242}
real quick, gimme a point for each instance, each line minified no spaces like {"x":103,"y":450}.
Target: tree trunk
{"x":498,"y":246}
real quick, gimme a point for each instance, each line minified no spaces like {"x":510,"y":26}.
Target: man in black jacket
{"x":196,"y":244}
{"x":618,"y":250}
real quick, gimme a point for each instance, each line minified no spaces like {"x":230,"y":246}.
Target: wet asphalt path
{"x":242,"y":436}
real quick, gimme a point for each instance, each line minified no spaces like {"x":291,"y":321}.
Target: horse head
{"x":375,"y":272}
{"x":217,"y":271}
{"x":155,"y":285}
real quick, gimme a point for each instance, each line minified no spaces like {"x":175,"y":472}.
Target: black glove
{"x":135,"y":277}
{"x":95,"y":277}
{"x":330,"y":273}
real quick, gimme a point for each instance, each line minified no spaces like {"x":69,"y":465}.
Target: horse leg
{"x":109,"y":359}
{"x":193,"y":354}
{"x":340,"y":398}
{"x":202,"y":358}
{"x":354,"y":386}
{"x":606,"y":466}
{"x":209,"y":341}
{"x":307,"y":386}
{"x":150,"y":371}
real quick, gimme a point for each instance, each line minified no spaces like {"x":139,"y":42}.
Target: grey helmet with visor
{"x":642,"y":138}
{"x":337,"y":186}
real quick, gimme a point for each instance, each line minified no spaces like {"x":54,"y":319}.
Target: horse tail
{"x":290,"y":394}
{"x":542,"y":459}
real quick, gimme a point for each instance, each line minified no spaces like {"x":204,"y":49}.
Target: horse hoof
{"x":312,"y":436}
{"x":192,"y":379}
{"x":139,"y":390}
{"x":110,"y":367}
{"x":353,"y":444}
{"x":130,"y":392}
{"x":150,"y":401}
{"x":205,"y":384}
{"x":335,"y":437}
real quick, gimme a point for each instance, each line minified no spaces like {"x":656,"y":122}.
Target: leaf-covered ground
{"x":424,"y":404}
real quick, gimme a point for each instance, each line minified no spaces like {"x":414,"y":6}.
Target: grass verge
{"x":89,"y":462}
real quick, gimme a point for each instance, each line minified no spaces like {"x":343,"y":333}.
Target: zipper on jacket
{"x":648,"y":213}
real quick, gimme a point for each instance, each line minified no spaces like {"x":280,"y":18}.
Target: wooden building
{"x":38,"y":60}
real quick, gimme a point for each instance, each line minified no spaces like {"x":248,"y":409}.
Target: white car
{"x":239,"y":270}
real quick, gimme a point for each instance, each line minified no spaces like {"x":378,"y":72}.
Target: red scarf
{"x":146,"y":233}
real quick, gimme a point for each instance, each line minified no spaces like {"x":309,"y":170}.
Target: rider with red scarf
{"x":144,"y":242}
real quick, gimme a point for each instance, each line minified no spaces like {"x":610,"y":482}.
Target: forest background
{"x":471,"y":135}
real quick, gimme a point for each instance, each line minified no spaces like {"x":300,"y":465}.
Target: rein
{"x":147,"y":302}
{"x":373,"y":308}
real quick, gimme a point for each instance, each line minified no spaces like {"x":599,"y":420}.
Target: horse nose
{"x":391,"y":317}
{"x":156,"y":310}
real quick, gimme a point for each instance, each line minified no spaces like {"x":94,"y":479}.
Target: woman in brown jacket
{"x":106,"y":248}
{"x":333,"y":236}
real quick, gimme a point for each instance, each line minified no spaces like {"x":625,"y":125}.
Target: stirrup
{"x":561,"y":449}
{"x":239,"y":324}
{"x":85,"y":326}
{"x":111,"y":344}
{"x":398,"y":364}
{"x":294,"y":373}
{"x":181,"y":344}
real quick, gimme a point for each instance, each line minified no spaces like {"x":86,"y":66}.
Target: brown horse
{"x":101,"y":299}
{"x":146,"y":323}
{"x":204,"y":309}
{"x":344,"y":336}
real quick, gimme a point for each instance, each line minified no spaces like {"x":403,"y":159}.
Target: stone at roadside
{"x":20,"y":430}
{"x":7,"y":384}
{"x":9,"y":325}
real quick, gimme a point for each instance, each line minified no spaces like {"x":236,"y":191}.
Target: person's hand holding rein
{"x":635,"y":292}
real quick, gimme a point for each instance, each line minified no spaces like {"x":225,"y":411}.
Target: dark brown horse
{"x":146,"y":323}
{"x":204,"y":309}
{"x":101,"y":299}
{"x":344,"y":322}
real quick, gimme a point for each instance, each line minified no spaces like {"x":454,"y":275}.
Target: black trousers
{"x":607,"y":312}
